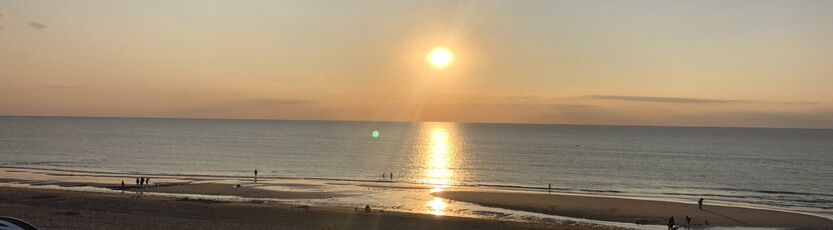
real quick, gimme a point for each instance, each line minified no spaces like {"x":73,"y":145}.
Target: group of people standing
{"x":391,"y":176}
{"x":140,"y":182}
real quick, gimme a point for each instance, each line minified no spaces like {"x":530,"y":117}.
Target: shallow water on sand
{"x":781,"y":168}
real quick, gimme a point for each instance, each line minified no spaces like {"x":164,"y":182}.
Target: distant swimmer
{"x":700,"y":204}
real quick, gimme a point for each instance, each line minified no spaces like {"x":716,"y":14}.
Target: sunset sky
{"x":690,"y":63}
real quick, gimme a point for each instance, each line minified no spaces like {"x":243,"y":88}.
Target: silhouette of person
{"x":687,"y":221}
{"x":122,"y":184}
{"x":391,"y":175}
{"x":671,"y":222}
{"x":700,"y":204}
{"x":137,"y":182}
{"x":255,"y":175}
{"x":147,"y":182}
{"x":367,"y":208}
{"x":142,"y":181}
{"x":549,"y":188}
{"x":383,"y":176}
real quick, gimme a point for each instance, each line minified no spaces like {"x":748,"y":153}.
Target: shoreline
{"x":388,"y":196}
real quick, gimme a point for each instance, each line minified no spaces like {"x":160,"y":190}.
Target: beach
{"x":56,"y":209}
{"x":638,"y":210}
{"x":82,"y":200}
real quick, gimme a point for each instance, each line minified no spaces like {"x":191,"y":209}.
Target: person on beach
{"x":700,"y":204}
{"x":147,"y":182}
{"x":391,"y":175}
{"x":383,"y":176}
{"x":549,"y":188}
{"x":122,"y":184}
{"x":671,"y":223}
{"x":255,"y":175}
{"x":137,"y":182}
{"x":687,"y":222}
{"x":142,"y":182}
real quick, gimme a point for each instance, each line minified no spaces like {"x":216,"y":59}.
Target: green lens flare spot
{"x":375,"y":133}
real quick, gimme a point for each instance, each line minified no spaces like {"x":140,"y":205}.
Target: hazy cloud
{"x":276,"y":102}
{"x":38,"y":26}
{"x":63,"y":87}
{"x":659,"y":99}
{"x":815,"y":119}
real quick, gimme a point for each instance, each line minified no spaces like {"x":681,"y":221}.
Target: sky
{"x":669,"y":63}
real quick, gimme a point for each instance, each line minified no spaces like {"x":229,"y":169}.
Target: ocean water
{"x":788,"y":169}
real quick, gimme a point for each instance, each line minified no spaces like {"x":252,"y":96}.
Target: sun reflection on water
{"x":439,"y":160}
{"x":437,"y":206}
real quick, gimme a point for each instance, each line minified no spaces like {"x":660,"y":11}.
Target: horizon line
{"x":419,"y":121}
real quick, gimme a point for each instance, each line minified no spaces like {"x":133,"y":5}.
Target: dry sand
{"x":57,"y":209}
{"x":636,"y":211}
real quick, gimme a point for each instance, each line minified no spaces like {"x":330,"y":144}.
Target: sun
{"x":440,"y":57}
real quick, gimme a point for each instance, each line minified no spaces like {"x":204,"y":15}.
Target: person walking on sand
{"x":255,"y":175}
{"x":147,"y":182}
{"x":700,"y":204}
{"x":391,"y":175}
{"x":122,"y":184}
{"x":671,"y":223}
{"x":137,"y":182}
{"x":142,"y":182}
{"x":687,"y":222}
{"x":549,"y":188}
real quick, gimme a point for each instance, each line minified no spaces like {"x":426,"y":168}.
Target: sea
{"x":785,"y":169}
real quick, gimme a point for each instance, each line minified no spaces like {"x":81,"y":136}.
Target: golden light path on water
{"x":439,"y":156}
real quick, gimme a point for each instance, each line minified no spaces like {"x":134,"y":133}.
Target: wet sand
{"x":231,"y":190}
{"x":636,"y":211}
{"x":58,"y":209}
